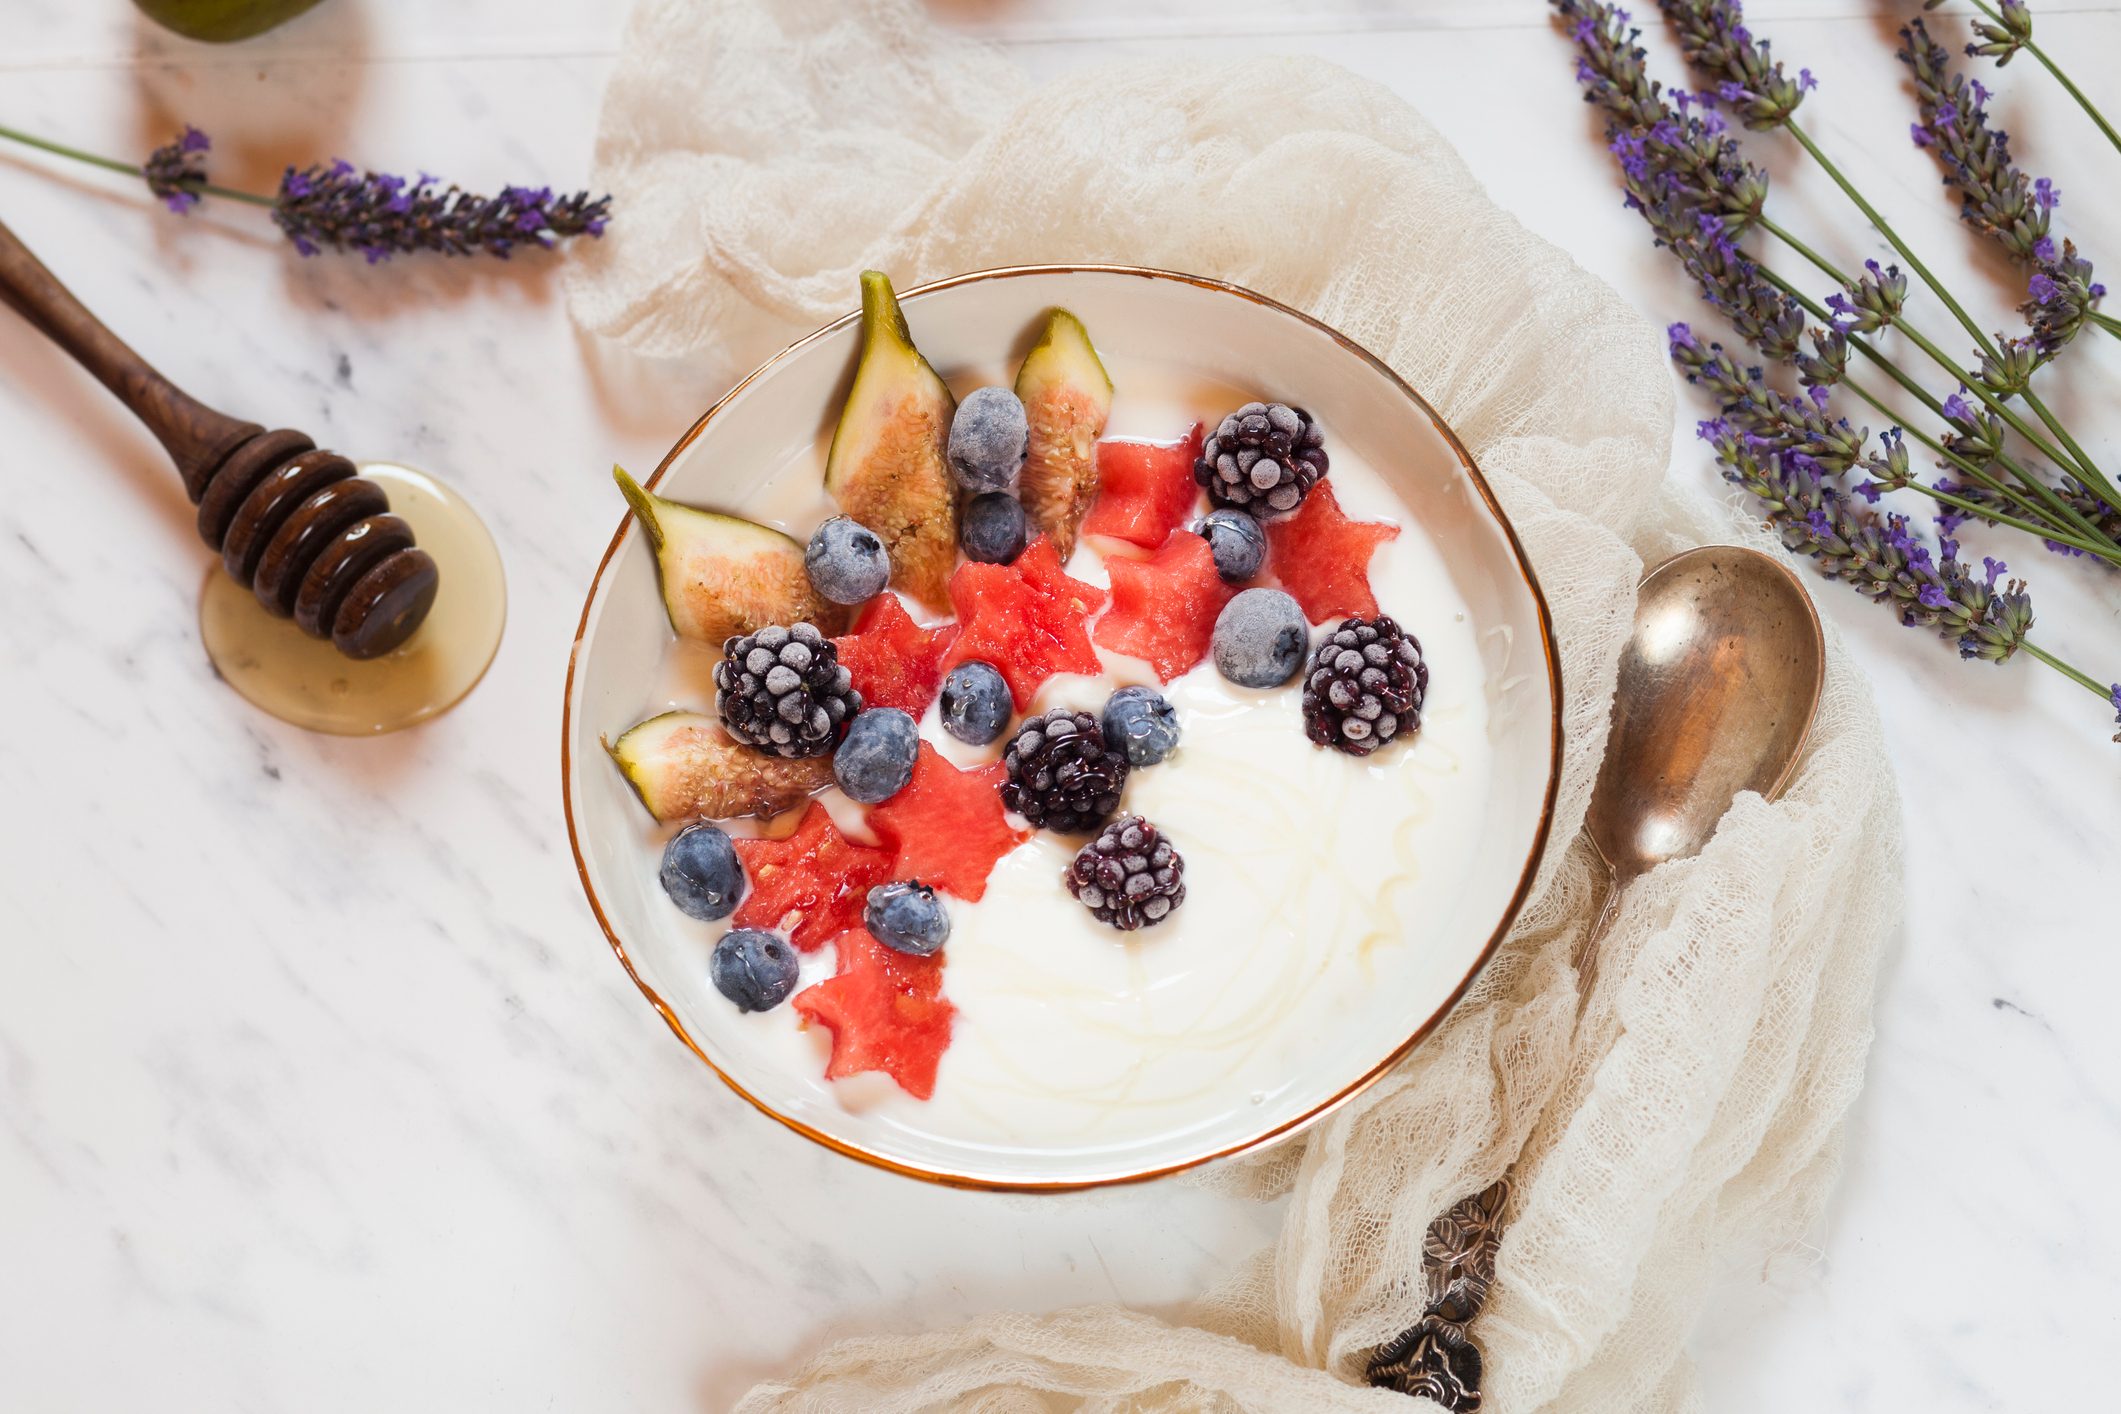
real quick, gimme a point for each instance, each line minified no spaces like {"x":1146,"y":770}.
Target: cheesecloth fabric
{"x":763,"y":152}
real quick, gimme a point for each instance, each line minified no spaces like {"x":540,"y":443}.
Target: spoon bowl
{"x":1718,"y":686}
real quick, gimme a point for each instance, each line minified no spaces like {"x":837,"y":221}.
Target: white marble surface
{"x":318,"y":1087}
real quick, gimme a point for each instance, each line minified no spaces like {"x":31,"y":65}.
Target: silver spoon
{"x":1719,"y":682}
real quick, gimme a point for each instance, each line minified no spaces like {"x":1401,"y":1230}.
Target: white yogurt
{"x":1309,"y":874}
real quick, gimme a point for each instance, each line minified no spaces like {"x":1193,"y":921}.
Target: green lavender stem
{"x":130,"y":169}
{"x":2106,"y":550}
{"x":2060,"y":512}
{"x":1892,"y":237}
{"x":2082,"y":679}
{"x":2082,"y":466}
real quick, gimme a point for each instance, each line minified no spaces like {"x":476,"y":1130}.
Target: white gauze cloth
{"x":762,"y":153}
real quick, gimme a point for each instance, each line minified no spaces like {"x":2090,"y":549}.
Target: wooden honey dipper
{"x":313,"y":541}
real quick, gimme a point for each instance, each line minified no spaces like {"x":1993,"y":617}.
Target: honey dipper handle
{"x":195,"y":436}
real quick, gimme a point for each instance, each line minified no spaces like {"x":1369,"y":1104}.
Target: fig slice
{"x":722,"y":575}
{"x":886,"y":467}
{"x":683,"y":766}
{"x":1067,"y":396}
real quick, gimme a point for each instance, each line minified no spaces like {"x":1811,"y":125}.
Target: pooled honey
{"x":305,"y":681}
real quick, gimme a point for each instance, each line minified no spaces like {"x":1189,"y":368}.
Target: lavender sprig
{"x":1679,"y":169}
{"x":1717,"y":43}
{"x":1996,"y":197}
{"x":1682,"y":172}
{"x":1749,"y":80}
{"x":1784,"y":452}
{"x":337,"y":207}
{"x":1875,"y":553}
{"x":2002,"y":35}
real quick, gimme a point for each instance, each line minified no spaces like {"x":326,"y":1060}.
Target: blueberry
{"x":976,"y":702}
{"x":876,"y":760}
{"x":988,"y":439}
{"x":1237,"y":542}
{"x":1260,"y":638}
{"x":993,"y":529}
{"x":1139,"y":722}
{"x":701,"y":873}
{"x":907,"y":916}
{"x":753,"y":968}
{"x":847,"y":562}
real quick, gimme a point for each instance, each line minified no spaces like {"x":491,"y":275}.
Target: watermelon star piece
{"x":817,"y":876}
{"x":1163,"y":608}
{"x":893,"y":660}
{"x":947,"y":827}
{"x":885,"y":1010}
{"x":1145,"y":490}
{"x":1029,"y":619}
{"x":1323,"y":558}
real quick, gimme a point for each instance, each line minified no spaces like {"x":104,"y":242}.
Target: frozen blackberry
{"x":1364,"y":685}
{"x":1062,"y":775}
{"x":1129,"y":876}
{"x":1264,"y":459}
{"x":783,"y":690}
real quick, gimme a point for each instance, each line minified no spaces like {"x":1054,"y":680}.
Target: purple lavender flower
{"x":2006,"y":373}
{"x":176,"y":171}
{"x":2001,"y":38}
{"x":1876,"y":554}
{"x":1872,"y":303}
{"x":1686,"y":161}
{"x":2063,"y":297}
{"x":1749,"y":81}
{"x":336,"y":207}
{"x":1827,"y":363}
{"x":1996,"y":198}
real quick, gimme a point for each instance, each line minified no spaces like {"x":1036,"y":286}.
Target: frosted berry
{"x":753,"y":968}
{"x":1129,"y":876}
{"x":975,"y":702}
{"x":907,"y":915}
{"x":876,"y":759}
{"x":1062,"y":776}
{"x":1237,"y":542}
{"x":988,"y":439}
{"x":1364,"y":686}
{"x":701,"y":873}
{"x":1139,"y":723}
{"x":783,"y":690}
{"x":847,"y":562}
{"x":993,"y":529}
{"x":1264,"y":458}
{"x":1260,"y":637}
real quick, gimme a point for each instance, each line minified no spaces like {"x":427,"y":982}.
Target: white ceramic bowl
{"x":975,"y":321}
